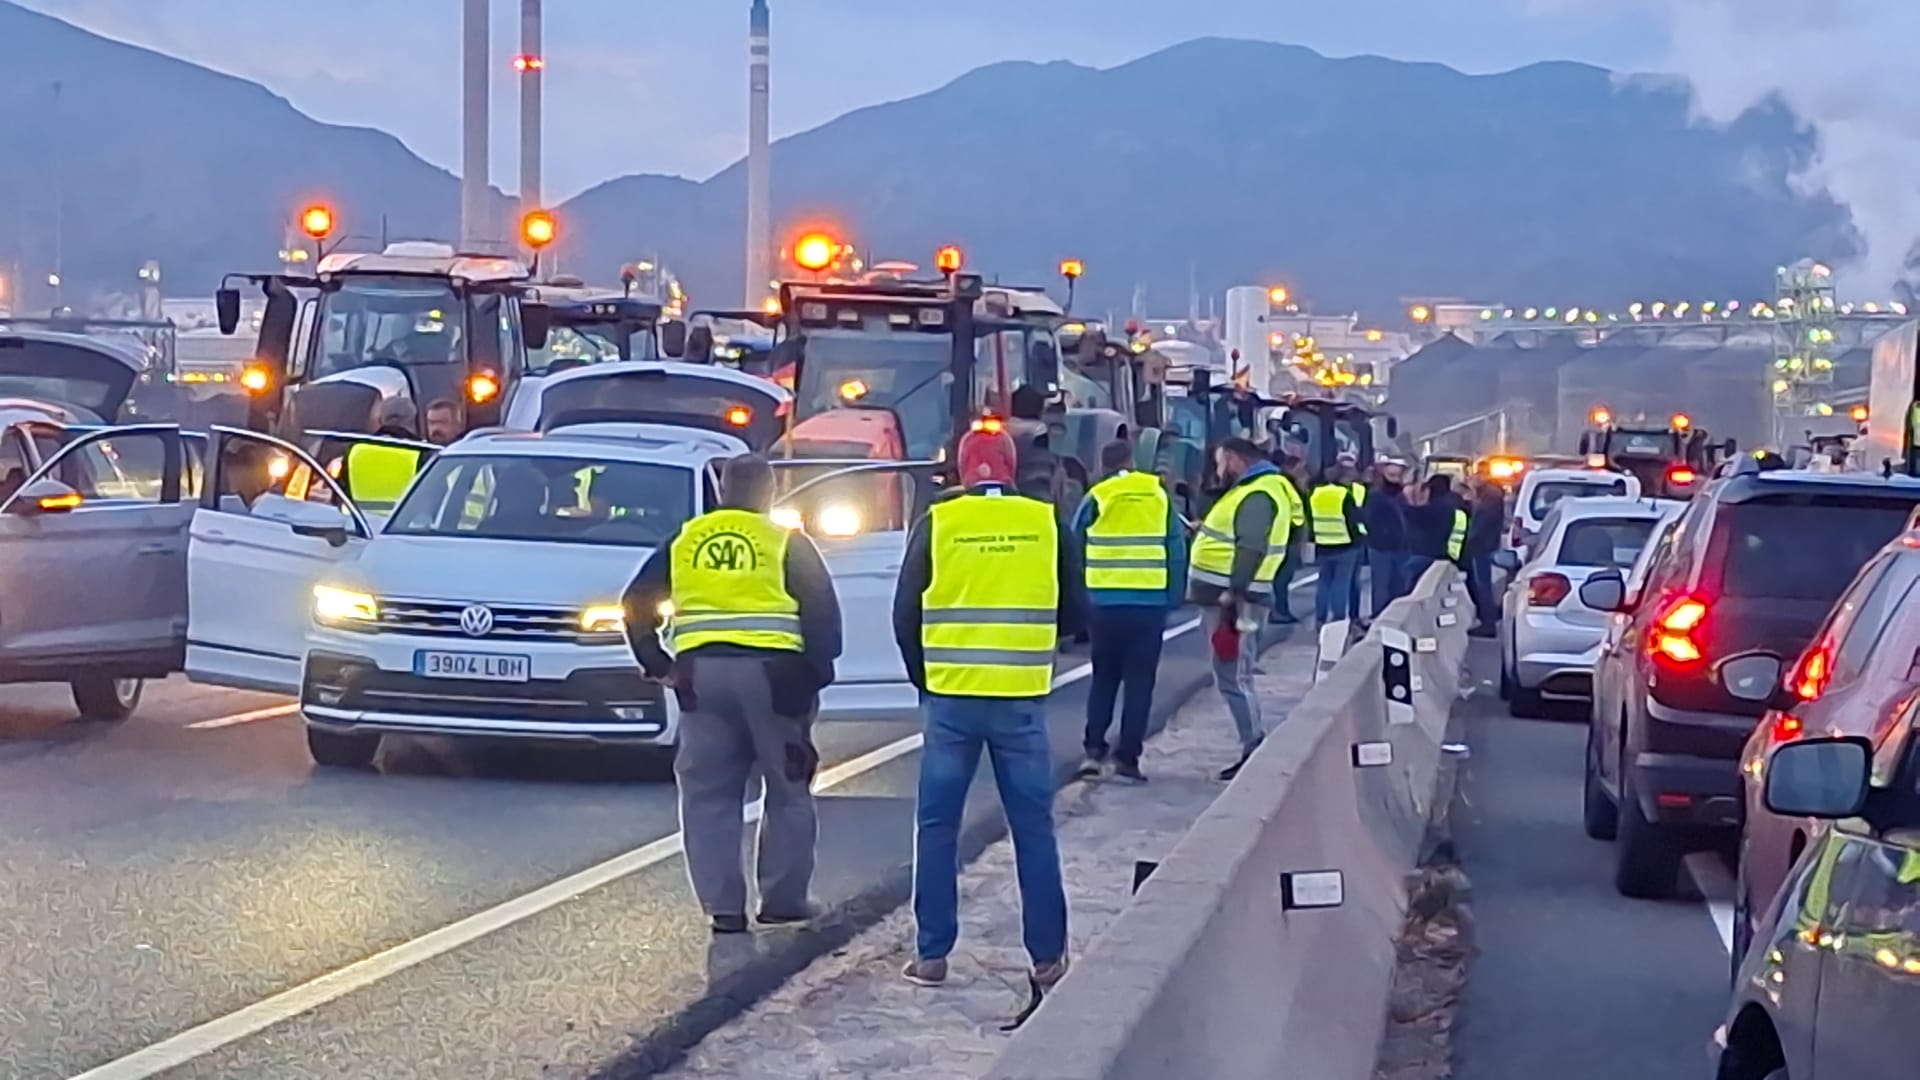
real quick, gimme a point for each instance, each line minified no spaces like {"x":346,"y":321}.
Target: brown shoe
{"x":925,"y":972}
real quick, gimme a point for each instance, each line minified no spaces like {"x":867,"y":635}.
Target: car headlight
{"x":333,"y":604}
{"x":787,"y":517}
{"x":603,"y":619}
{"x":839,"y":519}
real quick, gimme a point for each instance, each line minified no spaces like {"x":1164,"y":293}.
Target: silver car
{"x":1549,"y":638}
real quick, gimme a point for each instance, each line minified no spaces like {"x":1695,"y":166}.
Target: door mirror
{"x":535,"y":321}
{"x":673,"y":338}
{"x":1819,"y":778}
{"x":1507,"y":560}
{"x":45,"y":496}
{"x":1604,"y":591}
{"x":1753,"y":676}
{"x":226,"y":304}
{"x":304,"y":518}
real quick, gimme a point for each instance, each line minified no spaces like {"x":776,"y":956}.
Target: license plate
{"x":483,"y":667}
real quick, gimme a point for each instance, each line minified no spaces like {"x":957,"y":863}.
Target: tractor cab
{"x":1671,"y":461}
{"x":1322,"y":431}
{"x":417,"y":322}
{"x":587,"y":325}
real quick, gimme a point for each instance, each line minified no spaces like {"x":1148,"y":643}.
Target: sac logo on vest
{"x":730,"y":584}
{"x":728,"y":552}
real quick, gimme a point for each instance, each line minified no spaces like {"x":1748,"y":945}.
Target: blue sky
{"x":659,"y":86}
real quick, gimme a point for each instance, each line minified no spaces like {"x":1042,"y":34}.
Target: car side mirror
{"x":536,"y":322}
{"x":1819,"y":778}
{"x":1507,"y":560}
{"x":226,"y":304}
{"x":45,"y":496}
{"x":304,"y":518}
{"x":1753,"y":676}
{"x":673,"y":338}
{"x":1604,"y":591}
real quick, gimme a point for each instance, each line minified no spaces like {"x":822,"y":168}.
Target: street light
{"x":1421,"y":313}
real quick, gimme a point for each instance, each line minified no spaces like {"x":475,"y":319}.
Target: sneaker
{"x":1091,"y":768}
{"x":1283,"y":618}
{"x":1483,"y":630}
{"x":925,"y":972}
{"x":1233,"y":770}
{"x":784,"y":918}
{"x":1047,"y":976}
{"x":1129,"y":770}
{"x":729,"y":924}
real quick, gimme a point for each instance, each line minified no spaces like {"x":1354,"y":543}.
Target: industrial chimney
{"x":475,"y":228}
{"x":759,"y":163}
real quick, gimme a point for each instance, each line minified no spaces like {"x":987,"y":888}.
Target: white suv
{"x":488,"y":604}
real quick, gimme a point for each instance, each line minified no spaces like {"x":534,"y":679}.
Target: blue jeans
{"x":1014,"y":733}
{"x":1387,"y":569}
{"x":1417,"y":568}
{"x":1126,"y":654}
{"x":1486,"y":606}
{"x":1333,"y":593}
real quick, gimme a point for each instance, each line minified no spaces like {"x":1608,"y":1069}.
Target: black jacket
{"x":1485,"y":523}
{"x":1386,"y":518}
{"x":916,"y":573}
{"x":1430,"y":524}
{"x":807,"y":581}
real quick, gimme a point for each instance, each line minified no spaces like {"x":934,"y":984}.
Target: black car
{"x":1754,"y":563}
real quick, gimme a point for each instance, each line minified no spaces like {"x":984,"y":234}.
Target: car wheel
{"x":106,"y":700}
{"x":1598,"y":814}
{"x":1506,"y":680}
{"x":1648,"y":866}
{"x":1526,"y":704}
{"x":339,"y":750}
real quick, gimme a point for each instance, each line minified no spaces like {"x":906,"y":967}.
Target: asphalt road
{"x":507,"y":911}
{"x":1572,"y":980}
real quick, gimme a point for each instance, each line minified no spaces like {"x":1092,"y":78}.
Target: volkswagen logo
{"x":477,"y":620}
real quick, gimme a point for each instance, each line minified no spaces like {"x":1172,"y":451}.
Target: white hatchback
{"x":1550,"y":640}
{"x":1543,"y":489}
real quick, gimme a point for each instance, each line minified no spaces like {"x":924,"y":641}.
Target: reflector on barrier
{"x":1310,"y":889}
{"x":1369,"y":755}
{"x":1332,"y":646}
{"x":1448,"y":618}
{"x":1427,"y":644}
{"x":1396,"y":674}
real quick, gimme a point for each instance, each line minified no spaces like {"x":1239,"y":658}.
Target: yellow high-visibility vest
{"x":989,"y":615}
{"x":730,"y":584}
{"x":1457,"y":538}
{"x":1212,"y":559}
{"x":1296,"y":505}
{"x":1127,"y":543}
{"x":1329,"y":502}
{"x":378,"y":475}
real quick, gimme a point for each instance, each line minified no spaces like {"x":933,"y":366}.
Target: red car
{"x":1857,"y":677}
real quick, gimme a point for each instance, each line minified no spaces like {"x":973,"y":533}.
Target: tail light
{"x":1680,"y":475}
{"x":1674,"y":632}
{"x":1786,"y":728}
{"x":1547,"y":590}
{"x":1809,"y":680}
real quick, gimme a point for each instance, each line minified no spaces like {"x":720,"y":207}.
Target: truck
{"x":417,"y":320}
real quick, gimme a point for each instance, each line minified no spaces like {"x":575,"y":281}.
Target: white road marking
{"x":204,"y":1039}
{"x":245,"y":717}
{"x":1716,"y":885}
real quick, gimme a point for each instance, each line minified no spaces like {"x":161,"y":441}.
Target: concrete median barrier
{"x":1264,"y":945}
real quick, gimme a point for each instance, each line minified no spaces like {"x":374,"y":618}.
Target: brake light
{"x":1786,"y":728}
{"x":1547,"y":590}
{"x":1680,"y":474}
{"x":1673,"y":633}
{"x":1810,"y":681}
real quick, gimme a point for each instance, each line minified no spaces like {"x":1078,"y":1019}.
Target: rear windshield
{"x":1604,"y":542}
{"x":1806,"y":549}
{"x":660,"y":398}
{"x":1549,"y":492}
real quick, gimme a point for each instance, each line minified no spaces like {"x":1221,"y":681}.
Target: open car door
{"x":859,"y":514}
{"x":93,"y":559}
{"x":270,"y":525}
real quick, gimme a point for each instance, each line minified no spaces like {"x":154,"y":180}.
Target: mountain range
{"x":1360,"y":182}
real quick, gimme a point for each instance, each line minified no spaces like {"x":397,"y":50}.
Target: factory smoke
{"x":1842,"y":67}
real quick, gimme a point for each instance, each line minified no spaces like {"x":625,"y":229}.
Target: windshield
{"x":369,"y":321}
{"x":560,"y":499}
{"x":1187,"y":419}
{"x":1605,"y":542}
{"x":1548,"y":494}
{"x":591,"y":343}
{"x":908,"y":373}
{"x":1804,"y":550}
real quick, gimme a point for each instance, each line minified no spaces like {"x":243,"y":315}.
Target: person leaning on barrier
{"x":977,"y":613}
{"x":755,"y":625}
{"x":1132,"y":545}
{"x":1236,"y":555}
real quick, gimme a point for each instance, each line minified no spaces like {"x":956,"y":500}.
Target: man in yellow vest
{"x":984,"y":589}
{"x":1133,"y":546}
{"x":755,"y":629}
{"x":1236,"y":555}
{"x":1293,"y":469}
{"x":1337,"y":535}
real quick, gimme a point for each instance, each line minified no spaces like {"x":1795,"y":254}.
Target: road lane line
{"x":1716,"y":886}
{"x":203,"y":1039}
{"x":245,"y":717}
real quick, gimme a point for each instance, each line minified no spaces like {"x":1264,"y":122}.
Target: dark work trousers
{"x":1486,"y":606}
{"x":1126,"y":654}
